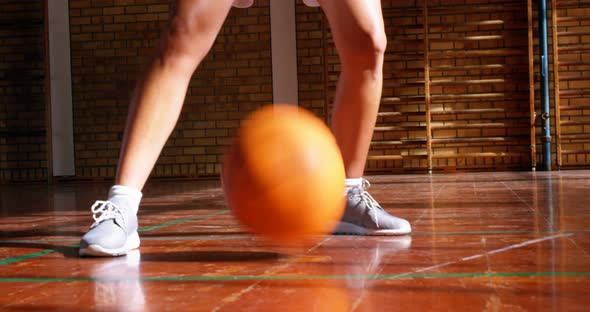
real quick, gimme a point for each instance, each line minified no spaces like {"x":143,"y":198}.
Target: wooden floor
{"x":516,"y":241}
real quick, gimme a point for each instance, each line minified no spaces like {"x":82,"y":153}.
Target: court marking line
{"x":507,"y":248}
{"x":495,"y":251}
{"x":27,"y":256}
{"x":499,"y":232}
{"x":144,"y":229}
{"x":579,"y":247}
{"x":433,"y":200}
{"x":155,"y":238}
{"x":237,"y":278}
{"x":179,"y":221}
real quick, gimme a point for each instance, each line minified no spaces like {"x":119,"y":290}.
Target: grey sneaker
{"x":364,"y":216}
{"x":113,"y":233}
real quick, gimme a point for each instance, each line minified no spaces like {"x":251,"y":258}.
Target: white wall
{"x":62,"y":129}
{"x":284,"y":51}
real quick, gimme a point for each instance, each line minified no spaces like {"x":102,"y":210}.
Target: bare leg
{"x":359,"y":35}
{"x":159,"y":97}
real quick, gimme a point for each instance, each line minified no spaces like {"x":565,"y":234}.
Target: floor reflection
{"x":117,"y":283}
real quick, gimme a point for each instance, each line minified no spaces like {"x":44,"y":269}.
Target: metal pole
{"x":545,"y":116}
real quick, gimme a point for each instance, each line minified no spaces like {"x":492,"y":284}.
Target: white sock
{"x":125,"y":197}
{"x":351,"y":183}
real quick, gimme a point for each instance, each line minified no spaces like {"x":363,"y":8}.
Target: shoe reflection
{"x":118,"y":284}
{"x":370,"y":257}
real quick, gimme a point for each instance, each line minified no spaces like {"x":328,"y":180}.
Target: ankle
{"x":125,"y":197}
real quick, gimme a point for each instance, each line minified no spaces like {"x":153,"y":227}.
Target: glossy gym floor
{"x":514,"y":241}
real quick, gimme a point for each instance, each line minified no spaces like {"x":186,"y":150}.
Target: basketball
{"x":283,"y":176}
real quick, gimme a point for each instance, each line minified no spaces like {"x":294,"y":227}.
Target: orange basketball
{"x":283,"y":176}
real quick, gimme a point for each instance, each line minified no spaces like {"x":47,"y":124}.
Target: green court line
{"x":224,"y":237}
{"x":155,"y":238}
{"x":25,"y":257}
{"x":157,"y":226}
{"x":498,"y":232}
{"x":144,"y":229}
{"x":224,"y":278}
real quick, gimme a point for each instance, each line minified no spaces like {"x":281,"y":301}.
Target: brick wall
{"x":23,"y":146}
{"x":314,"y":84}
{"x":484,"y":67}
{"x":112,"y":41}
{"x":571,"y":76}
{"x":402,"y":136}
{"x":458,"y":81}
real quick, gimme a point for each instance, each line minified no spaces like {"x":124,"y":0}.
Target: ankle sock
{"x":125,"y":197}
{"x":351,"y":183}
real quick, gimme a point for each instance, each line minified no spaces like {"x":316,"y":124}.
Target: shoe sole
{"x":99,"y":251}
{"x":346,"y":228}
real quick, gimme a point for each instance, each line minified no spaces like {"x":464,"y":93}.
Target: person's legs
{"x":359,"y":35}
{"x":153,"y":113}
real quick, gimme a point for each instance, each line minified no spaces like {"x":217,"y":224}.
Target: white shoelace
{"x":105,"y":210}
{"x":369,"y":200}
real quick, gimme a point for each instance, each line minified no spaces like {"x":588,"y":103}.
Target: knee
{"x":365,"y":51}
{"x":184,"y":44}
